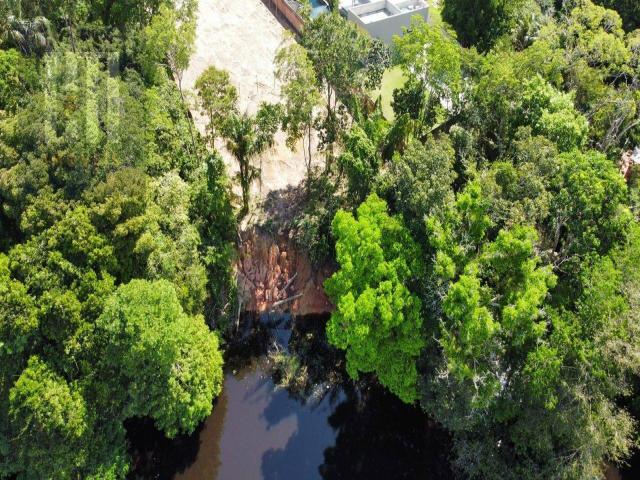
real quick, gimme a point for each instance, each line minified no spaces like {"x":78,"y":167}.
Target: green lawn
{"x":435,"y":17}
{"x":393,"y":78}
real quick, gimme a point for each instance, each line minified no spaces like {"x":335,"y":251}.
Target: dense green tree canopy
{"x":377,"y":319}
{"x":418,"y":182}
{"x":167,"y":362}
{"x":504,"y":167}
{"x":217,"y":98}
{"x":50,"y":420}
{"x":114,"y":234}
{"x":18,"y":78}
{"x":482,"y":22}
{"x":629,"y":10}
{"x":432,"y":55}
{"x":496,"y":284}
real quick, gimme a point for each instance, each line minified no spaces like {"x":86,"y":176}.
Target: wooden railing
{"x":288,"y":11}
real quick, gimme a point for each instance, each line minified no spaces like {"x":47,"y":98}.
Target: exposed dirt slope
{"x":272,"y":275}
{"x":242,"y":37}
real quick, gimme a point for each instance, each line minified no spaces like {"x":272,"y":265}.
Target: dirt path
{"x":242,"y":37}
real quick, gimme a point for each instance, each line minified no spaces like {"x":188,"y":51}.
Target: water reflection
{"x":261,"y":433}
{"x":325,"y":428}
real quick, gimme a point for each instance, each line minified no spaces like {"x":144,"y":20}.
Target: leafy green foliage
{"x":501,"y":340}
{"x":217,"y":97}
{"x":476,"y":330}
{"x":149,"y":223}
{"x":595,"y":35}
{"x":337,"y":50}
{"x":553,"y":115}
{"x":481,"y":23}
{"x":503,"y":166}
{"x":167,"y":362}
{"x":518,"y":190}
{"x":360,"y":161}
{"x":432,"y":56}
{"x":211,"y":206}
{"x":629,"y":10}
{"x":247,"y":137}
{"x":588,"y":212}
{"x":113,"y":233}
{"x":168,"y":40}
{"x":377,"y":319}
{"x":49,"y":418}
{"x":18,"y":78}
{"x":341,"y":56}
{"x":508,"y":304}
{"x":19,"y":322}
{"x":580,"y":54}
{"x":302,"y":96}
{"x":418,"y":183}
{"x":127,"y":14}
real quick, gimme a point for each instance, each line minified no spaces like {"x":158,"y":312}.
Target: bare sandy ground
{"x":242,"y":37}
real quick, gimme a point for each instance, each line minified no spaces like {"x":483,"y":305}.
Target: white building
{"x":383,"y":18}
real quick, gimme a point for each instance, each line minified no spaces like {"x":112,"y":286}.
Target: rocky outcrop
{"x":274,"y":275}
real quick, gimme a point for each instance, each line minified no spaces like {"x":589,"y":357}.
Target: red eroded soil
{"x":273,"y":275}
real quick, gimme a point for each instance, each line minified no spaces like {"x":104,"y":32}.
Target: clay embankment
{"x":273,"y":275}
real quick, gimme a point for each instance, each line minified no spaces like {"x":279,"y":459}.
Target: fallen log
{"x":286,"y":300}
{"x":284,"y":289}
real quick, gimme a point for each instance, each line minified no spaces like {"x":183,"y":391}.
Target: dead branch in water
{"x":286,"y":300}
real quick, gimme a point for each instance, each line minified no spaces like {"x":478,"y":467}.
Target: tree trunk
{"x":309,"y":130}
{"x":245,"y":199}
{"x":188,"y":113}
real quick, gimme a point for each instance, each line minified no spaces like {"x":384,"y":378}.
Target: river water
{"x":322,"y":426}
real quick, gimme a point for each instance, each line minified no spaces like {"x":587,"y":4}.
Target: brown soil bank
{"x":274,"y":276}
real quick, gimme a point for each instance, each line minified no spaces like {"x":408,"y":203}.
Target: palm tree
{"x":31,"y":36}
{"x":247,"y":137}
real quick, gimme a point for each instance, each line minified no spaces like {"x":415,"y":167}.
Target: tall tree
{"x":338,"y":51}
{"x":629,"y":10}
{"x":166,"y":362}
{"x":31,"y":36}
{"x":217,"y":97}
{"x":49,"y":424}
{"x":247,"y":137}
{"x":168,"y":41}
{"x":431,"y":56}
{"x":377,"y":319}
{"x":419,"y":182}
{"x":512,"y":363}
{"x":301,"y":96}
{"x":481,"y":23}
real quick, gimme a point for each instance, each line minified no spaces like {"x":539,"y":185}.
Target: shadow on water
{"x":322,"y":426}
{"x":155,"y":456}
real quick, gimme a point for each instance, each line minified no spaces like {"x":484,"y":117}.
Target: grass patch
{"x":435,"y":16}
{"x":392,"y":79}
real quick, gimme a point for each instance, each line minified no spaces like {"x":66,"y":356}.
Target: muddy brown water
{"x":332,"y":429}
